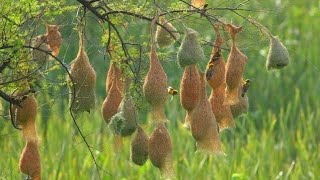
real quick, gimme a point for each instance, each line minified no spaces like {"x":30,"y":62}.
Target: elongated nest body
{"x":204,"y":127}
{"x":83,"y":96}
{"x":26,"y":114}
{"x":111,"y":103}
{"x":39,"y":55}
{"x":190,"y":88}
{"x":190,"y":51}
{"x":242,"y":106}
{"x":160,"y":151}
{"x":124,"y":123}
{"x":234,"y":68}
{"x":54,"y":38}
{"x":155,"y":87}
{"x":114,"y":72}
{"x":139,"y":147}
{"x":30,"y":160}
{"x":198,"y":3}
{"x":163,"y":37}
{"x":221,"y":112}
{"x":278,"y":56}
{"x":215,"y":72}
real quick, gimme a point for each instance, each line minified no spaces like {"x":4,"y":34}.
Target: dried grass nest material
{"x":160,"y":151}
{"x":278,"y":56}
{"x":39,"y":54}
{"x":124,"y":123}
{"x":54,"y":38}
{"x":155,"y":87}
{"x":27,"y":112}
{"x":221,"y":112}
{"x":29,"y":163}
{"x":82,"y":96}
{"x":190,"y":51}
{"x":139,"y":147}
{"x":189,"y":91}
{"x":111,"y":103}
{"x":234,"y":68}
{"x":204,"y":127}
{"x":215,"y":72}
{"x":114,"y":72}
{"x":163,"y":37}
{"x":242,"y":106}
{"x":190,"y":88}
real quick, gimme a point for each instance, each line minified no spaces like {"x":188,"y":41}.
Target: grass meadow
{"x":277,"y":139}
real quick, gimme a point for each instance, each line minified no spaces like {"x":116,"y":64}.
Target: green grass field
{"x":277,"y":139}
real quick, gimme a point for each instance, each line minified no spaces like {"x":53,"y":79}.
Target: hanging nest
{"x":278,"y":56}
{"x":189,"y":90}
{"x":111,"y":103}
{"x":124,"y":123}
{"x":155,"y":87}
{"x":190,"y":51}
{"x":30,"y":160}
{"x":160,"y":151}
{"x":204,"y":127}
{"x":27,"y":112}
{"x":221,"y":112}
{"x":242,"y":106}
{"x":234,"y":68}
{"x":163,"y":37}
{"x":82,"y":94}
{"x":139,"y":147}
{"x":40,"y":56}
{"x":197,"y":3}
{"x":215,"y":72}
{"x":54,"y":39}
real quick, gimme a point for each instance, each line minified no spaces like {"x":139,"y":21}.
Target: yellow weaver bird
{"x":172,"y":92}
{"x":245,"y":87}
{"x":209,"y":71}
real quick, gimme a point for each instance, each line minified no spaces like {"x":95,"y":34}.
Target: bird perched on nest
{"x":245,"y":87}
{"x":210,"y":66}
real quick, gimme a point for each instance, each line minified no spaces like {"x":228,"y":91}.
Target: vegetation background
{"x":277,"y":139}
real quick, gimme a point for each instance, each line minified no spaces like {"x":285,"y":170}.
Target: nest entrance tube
{"x":242,"y":106}
{"x":221,"y":112}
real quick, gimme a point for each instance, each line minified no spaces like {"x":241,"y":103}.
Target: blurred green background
{"x":277,"y":139}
